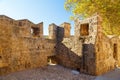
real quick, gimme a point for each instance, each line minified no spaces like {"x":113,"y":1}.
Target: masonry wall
{"x":68,"y":54}
{"x":66,"y":26}
{"x":26,"y":28}
{"x":97,"y":55}
{"x":89,"y":50}
{"x":53,"y":31}
{"x":103,"y":55}
{"x":5,"y":42}
{"x":19,"y":50}
{"x":88,"y":40}
{"x":77,"y":52}
{"x":68,"y":50}
{"x":104,"y":59}
{"x":90,"y":53}
{"x":115,"y":42}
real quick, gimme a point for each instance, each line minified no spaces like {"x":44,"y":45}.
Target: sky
{"x":46,"y":11}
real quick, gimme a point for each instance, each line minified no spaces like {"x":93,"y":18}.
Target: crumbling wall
{"x":78,"y":52}
{"x":19,"y":50}
{"x":24,"y":27}
{"x":66,"y":26}
{"x":5,"y":42}
{"x":29,"y":29}
{"x":97,"y":55}
{"x":49,"y":47}
{"x":86,"y":32}
{"x":68,"y":54}
{"x":104,"y":60}
{"x":26,"y":54}
{"x":115,"y":43}
{"x":30,"y":53}
{"x":92,"y":23}
{"x":118,"y":50}
{"x":68,"y":50}
{"x":89,"y":50}
{"x":53,"y":31}
{"x":40,"y":26}
{"x":103,"y":54}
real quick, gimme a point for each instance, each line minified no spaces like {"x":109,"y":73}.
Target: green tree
{"x":109,"y":10}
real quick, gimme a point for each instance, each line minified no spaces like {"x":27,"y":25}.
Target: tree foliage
{"x":109,"y":10}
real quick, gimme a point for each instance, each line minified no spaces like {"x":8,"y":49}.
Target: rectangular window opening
{"x":84,"y":29}
{"x":35,"y":31}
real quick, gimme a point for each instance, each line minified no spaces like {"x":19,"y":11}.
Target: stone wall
{"x":115,"y":43}
{"x":29,"y":29}
{"x":20,"y":49}
{"x":68,"y":50}
{"x":104,"y":60}
{"x":53,"y":31}
{"x":78,"y":52}
{"x":92,"y":29}
{"x":89,"y":50}
{"x":66,"y":26}
{"x":86,"y":31}
{"x":97,"y":55}
{"x":5,"y":42}
{"x":68,"y":54}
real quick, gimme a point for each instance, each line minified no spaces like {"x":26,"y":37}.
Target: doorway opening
{"x":51,"y":60}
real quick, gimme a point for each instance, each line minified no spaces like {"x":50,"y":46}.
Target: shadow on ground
{"x":56,"y":72}
{"x":112,"y":75}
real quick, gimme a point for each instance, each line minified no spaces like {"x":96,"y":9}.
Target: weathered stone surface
{"x":66,"y":26}
{"x":91,"y":52}
{"x":53,"y":31}
{"x":104,"y":55}
{"x":115,"y":42}
{"x":22,"y":46}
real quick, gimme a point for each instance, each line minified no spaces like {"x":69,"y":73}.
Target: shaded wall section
{"x":68,"y":54}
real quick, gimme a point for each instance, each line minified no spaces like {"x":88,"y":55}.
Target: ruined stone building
{"x":23,"y":46}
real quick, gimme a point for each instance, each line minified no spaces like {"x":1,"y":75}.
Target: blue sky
{"x":47,"y":11}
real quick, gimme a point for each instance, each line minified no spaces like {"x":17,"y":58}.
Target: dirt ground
{"x":56,"y":72}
